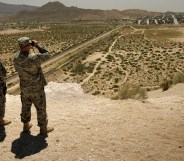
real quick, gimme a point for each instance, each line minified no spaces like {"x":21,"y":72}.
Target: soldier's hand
{"x":35,"y":43}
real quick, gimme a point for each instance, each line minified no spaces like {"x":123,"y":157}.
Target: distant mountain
{"x":51,"y":6}
{"x":13,"y":9}
{"x":56,"y":11}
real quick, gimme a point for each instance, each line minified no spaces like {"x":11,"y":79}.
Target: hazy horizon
{"x":156,"y":5}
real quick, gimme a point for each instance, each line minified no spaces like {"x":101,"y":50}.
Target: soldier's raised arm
{"x":43,"y":53}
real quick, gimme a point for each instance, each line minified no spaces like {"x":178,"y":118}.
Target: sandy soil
{"x":14,"y":31}
{"x":89,"y":128}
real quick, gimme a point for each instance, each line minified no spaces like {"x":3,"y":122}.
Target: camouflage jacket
{"x":2,"y":75}
{"x":28,"y":66}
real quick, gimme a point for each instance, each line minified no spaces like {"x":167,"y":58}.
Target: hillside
{"x":57,"y":11}
{"x":13,"y":9}
{"x":135,"y":13}
{"x":99,"y":129}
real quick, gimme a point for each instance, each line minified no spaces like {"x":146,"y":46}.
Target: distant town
{"x":166,"y":18}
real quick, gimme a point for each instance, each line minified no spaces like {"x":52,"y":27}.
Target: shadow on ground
{"x":2,"y":134}
{"x":28,"y":145}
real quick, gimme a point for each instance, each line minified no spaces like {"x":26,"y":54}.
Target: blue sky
{"x":150,"y":5}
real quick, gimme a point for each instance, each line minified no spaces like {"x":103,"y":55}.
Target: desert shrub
{"x":110,"y":58}
{"x":115,"y":90}
{"x":98,"y":59}
{"x":79,"y":69}
{"x":98,"y":68}
{"x":115,"y":98}
{"x":116,"y":80}
{"x":84,"y":58}
{"x":90,"y":69}
{"x":72,"y":74}
{"x":96,"y":93}
{"x":179,"y":78}
{"x":98,"y":72}
{"x":115,"y":86}
{"x":120,"y":72}
{"x":142,"y":93}
{"x":166,"y":84}
{"x":132,"y":91}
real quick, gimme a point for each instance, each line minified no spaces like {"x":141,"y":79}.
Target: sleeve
{"x":3,"y":71}
{"x":4,"y":88}
{"x":43,"y":53}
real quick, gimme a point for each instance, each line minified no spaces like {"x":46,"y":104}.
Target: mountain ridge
{"x":13,"y":8}
{"x":57,"y":11}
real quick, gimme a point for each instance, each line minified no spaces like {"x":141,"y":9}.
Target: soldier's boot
{"x":27,"y":127}
{"x":4,"y":122}
{"x":45,"y":129}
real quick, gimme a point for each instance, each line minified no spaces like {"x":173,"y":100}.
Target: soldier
{"x":32,"y":82}
{"x":3,"y":96}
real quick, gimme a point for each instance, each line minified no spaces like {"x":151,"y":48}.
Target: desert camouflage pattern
{"x":28,"y":66}
{"x":2,"y":104}
{"x":32,"y":82}
{"x":36,"y":97}
{"x":2,"y":90}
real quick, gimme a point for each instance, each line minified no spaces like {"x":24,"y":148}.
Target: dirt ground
{"x":90,"y":128}
{"x":14,"y":31}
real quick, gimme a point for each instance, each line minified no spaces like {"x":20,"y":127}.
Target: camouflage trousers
{"x":38,"y":99}
{"x":2,"y":103}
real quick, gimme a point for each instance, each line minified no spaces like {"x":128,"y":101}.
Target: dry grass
{"x":163,"y":34}
{"x":131,"y":91}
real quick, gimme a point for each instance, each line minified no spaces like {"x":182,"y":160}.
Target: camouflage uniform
{"x":32,"y":82}
{"x":2,"y":90}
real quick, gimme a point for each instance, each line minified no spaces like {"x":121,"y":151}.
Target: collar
{"x":24,"y":53}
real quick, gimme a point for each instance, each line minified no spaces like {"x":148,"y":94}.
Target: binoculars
{"x":32,"y":43}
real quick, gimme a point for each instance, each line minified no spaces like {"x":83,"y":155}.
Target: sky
{"x":150,"y":5}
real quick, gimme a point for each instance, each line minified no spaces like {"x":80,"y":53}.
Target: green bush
{"x":79,"y":69}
